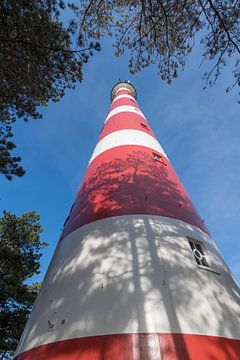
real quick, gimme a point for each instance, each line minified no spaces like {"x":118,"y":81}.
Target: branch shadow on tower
{"x":133,"y":272}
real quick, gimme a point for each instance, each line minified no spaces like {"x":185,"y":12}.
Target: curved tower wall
{"x":135,"y":275}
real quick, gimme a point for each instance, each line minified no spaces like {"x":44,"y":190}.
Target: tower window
{"x":144,"y":126}
{"x":198,"y":253}
{"x":159,"y":158}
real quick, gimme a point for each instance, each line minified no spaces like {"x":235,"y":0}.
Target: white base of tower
{"x":133,"y":274}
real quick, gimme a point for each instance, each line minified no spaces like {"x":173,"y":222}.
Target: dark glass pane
{"x":204,"y":262}
{"x":198,"y":261}
{"x":199,"y":247}
{"x":191,"y":244}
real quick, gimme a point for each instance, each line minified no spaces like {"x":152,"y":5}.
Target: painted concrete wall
{"x":123,"y":282}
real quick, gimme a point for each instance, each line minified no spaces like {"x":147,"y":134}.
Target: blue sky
{"x":198,"y":129}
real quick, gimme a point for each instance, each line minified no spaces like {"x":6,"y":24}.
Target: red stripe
{"x":126,"y":180}
{"x":122,"y":121}
{"x":124,"y":101}
{"x":138,"y":347}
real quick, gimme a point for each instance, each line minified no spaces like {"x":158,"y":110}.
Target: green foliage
{"x":9,"y":165}
{"x":164,"y":32}
{"x":40,"y":58}
{"x":20,"y":251}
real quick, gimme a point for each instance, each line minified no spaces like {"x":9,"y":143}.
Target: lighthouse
{"x":136,"y":274}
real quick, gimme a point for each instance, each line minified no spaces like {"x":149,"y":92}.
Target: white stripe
{"x":132,"y":274}
{"x":123,"y":96}
{"x":127,"y":137}
{"x":124,"y":108}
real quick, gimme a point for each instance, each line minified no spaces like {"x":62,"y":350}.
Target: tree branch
{"x":223,"y":25}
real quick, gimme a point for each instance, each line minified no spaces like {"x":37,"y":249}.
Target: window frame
{"x":158,"y":157}
{"x":199,"y":248}
{"x":205,"y":254}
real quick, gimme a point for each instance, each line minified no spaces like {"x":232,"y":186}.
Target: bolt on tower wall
{"x":135,"y":275}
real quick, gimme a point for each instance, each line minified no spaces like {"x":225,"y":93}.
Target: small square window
{"x":198,"y":253}
{"x":159,"y":158}
{"x":144,"y":126}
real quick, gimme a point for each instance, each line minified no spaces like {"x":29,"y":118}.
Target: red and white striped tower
{"x":136,"y":275}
